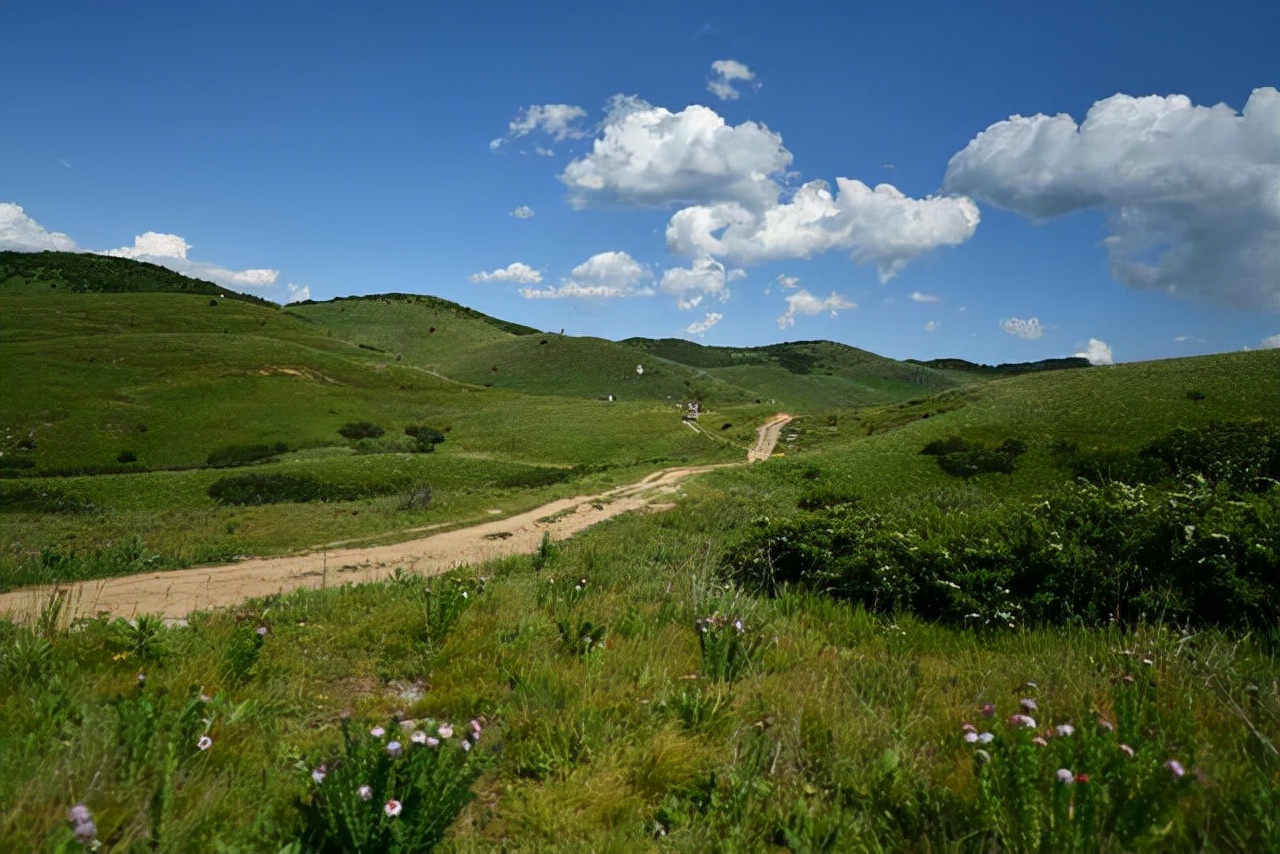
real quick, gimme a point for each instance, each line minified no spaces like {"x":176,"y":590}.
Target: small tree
{"x":360,"y":430}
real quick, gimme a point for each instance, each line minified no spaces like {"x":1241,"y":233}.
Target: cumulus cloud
{"x":724,"y":74}
{"x":880,"y":226}
{"x":788,"y":282}
{"x":704,"y":277}
{"x":916,"y":296}
{"x":21,"y":233}
{"x":559,"y":121}
{"x":1271,"y":342}
{"x":932,"y":326}
{"x":603,"y":276}
{"x":1193,"y":192}
{"x":701,"y":326}
{"x":803,"y":302}
{"x":651,"y":157}
{"x":523,"y":212}
{"x":1022,"y":328}
{"x":1097,"y":352}
{"x":515,"y":272}
{"x":170,"y":250}
{"x":296,"y":293}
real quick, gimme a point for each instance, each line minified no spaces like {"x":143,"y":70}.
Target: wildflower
{"x":737,"y":624}
{"x":392,"y":808}
{"x":1148,"y":662}
{"x":466,"y":744}
{"x":432,"y":741}
{"x":262,"y":631}
{"x":1028,"y":704}
{"x":142,"y":679}
{"x":1082,"y":778}
{"x":986,"y":737}
{"x":365,"y":793}
{"x":971,"y":737}
{"x":1022,"y":721}
{"x":1039,"y":741}
{"x":1065,"y":777}
{"x":445,"y":730}
{"x":1064,"y":730}
{"x":319,"y":774}
{"x":1126,"y":750}
{"x":82,"y":825}
{"x":1127,"y":679}
{"x":418,"y":737}
{"x":204,"y":743}
{"x":1175,"y":768}
{"x":967,"y":727}
{"x":1030,"y":685}
{"x":988,"y":710}
{"x":377,"y":732}
{"x":393,"y":748}
{"x":1106,"y":724}
{"x":475,"y":727}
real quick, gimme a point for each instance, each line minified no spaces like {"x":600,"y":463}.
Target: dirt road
{"x":767,"y":437}
{"x":177,"y":593}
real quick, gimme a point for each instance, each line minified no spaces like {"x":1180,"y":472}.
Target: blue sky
{"x":669,"y":155}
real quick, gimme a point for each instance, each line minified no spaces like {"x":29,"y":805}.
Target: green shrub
{"x":947,"y":445}
{"x":268,"y":488}
{"x":360,"y":430}
{"x":126,"y":457}
{"x":30,"y":499}
{"x":426,"y":437}
{"x":243,"y":455}
{"x":1243,"y":454}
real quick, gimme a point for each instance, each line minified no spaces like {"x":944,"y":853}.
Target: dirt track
{"x":179,"y":592}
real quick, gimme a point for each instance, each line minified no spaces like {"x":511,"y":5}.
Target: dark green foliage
{"x":822,"y":497}
{"x":946,"y":445}
{"x":269,"y":488}
{"x":30,"y":499}
{"x":360,"y":430}
{"x":243,"y":455}
{"x":426,"y":437}
{"x":1243,"y":454}
{"x":1195,"y":395}
{"x":10,"y":463}
{"x":1006,"y":368}
{"x":1093,"y":555}
{"x":438,"y":304}
{"x":243,"y":650}
{"x":126,"y":457}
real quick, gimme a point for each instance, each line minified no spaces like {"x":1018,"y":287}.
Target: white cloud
{"x":543,"y":152}
{"x":701,"y":326}
{"x":1022,"y":328}
{"x":170,"y":250}
{"x":649,"y":156}
{"x":932,"y":326}
{"x":788,"y":282}
{"x":1097,"y":352}
{"x":523,"y":212}
{"x":724,"y":73}
{"x":296,"y":293}
{"x":916,"y":296}
{"x":803,"y":302}
{"x":1193,"y":192}
{"x":21,"y":233}
{"x":1271,"y":342}
{"x":705,"y":276}
{"x":556,"y":120}
{"x":880,"y":226}
{"x":603,"y":276}
{"x":515,"y":272}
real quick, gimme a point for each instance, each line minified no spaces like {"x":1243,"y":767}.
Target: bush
{"x":35,"y":500}
{"x":426,"y":437}
{"x":1091,"y":555}
{"x":126,"y":457}
{"x":270,"y":488}
{"x":360,"y":430}
{"x":948,"y":445}
{"x":1243,"y":454}
{"x":243,"y":455}
{"x":961,"y":458}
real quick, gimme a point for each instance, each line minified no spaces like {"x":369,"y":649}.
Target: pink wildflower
{"x":392,"y":808}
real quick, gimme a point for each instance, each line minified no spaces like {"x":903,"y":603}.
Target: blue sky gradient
{"x":346,"y":149}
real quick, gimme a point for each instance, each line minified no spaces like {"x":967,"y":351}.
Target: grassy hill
{"x":847,"y":648}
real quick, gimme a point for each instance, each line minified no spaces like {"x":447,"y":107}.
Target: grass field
{"x":846,"y":648}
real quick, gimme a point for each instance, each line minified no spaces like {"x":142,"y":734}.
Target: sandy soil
{"x":177,"y":593}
